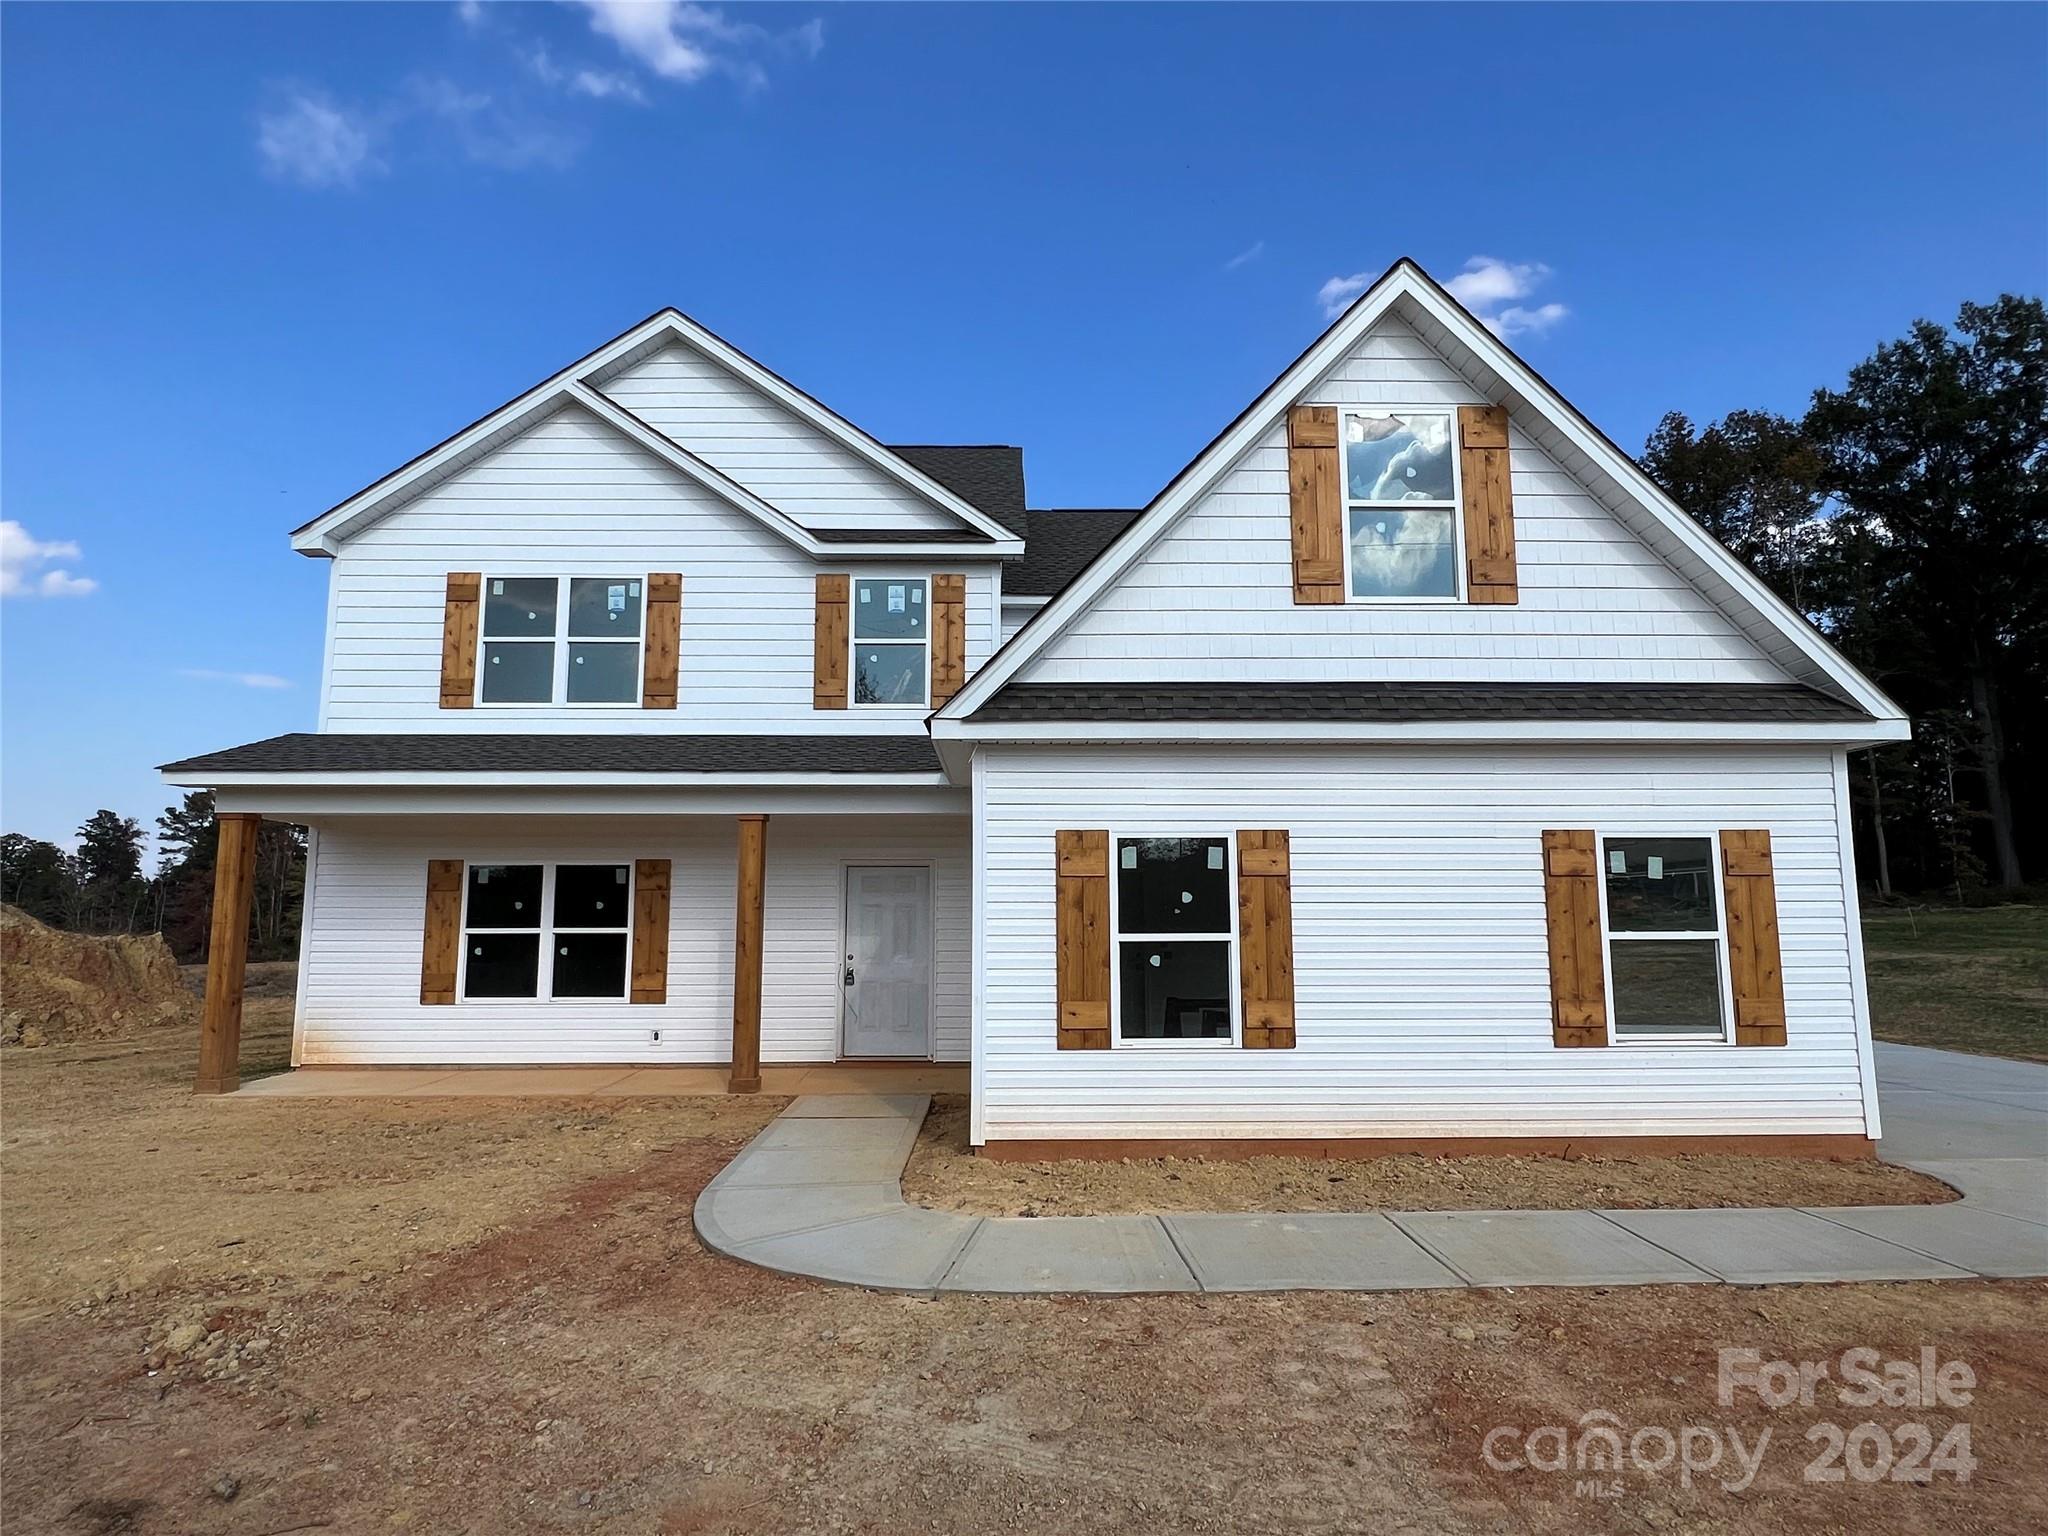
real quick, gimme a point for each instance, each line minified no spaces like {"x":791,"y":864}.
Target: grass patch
{"x":1961,"y":979}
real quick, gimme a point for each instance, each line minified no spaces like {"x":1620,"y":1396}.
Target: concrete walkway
{"x":818,"y":1194}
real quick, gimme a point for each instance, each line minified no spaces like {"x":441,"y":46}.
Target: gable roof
{"x":1540,"y":412}
{"x":1059,"y":542}
{"x":581,"y":382}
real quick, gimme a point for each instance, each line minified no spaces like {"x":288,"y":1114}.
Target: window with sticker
{"x":546,"y":931}
{"x":561,"y":640}
{"x":891,"y":639}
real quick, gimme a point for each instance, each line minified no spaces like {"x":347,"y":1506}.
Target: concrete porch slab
{"x":517,"y":1082}
{"x":2000,"y":1247}
{"x":1544,"y":1248}
{"x":1100,"y":1255}
{"x":1318,"y":1251}
{"x":339,"y":1083}
{"x":1779,"y":1247}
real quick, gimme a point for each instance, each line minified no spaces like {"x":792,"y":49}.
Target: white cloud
{"x":1336,"y":295}
{"x":471,"y":12}
{"x":1487,"y":284}
{"x":489,"y":133}
{"x":22,"y":557}
{"x":681,"y":40}
{"x":1245,"y":257}
{"x":310,"y":139}
{"x":244,"y":679}
{"x":605,"y":85}
{"x":1484,"y":286}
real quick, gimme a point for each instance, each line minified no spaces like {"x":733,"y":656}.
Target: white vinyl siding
{"x":360,"y":986}
{"x":766,"y":448}
{"x":571,"y":497}
{"x":1422,"y":990}
{"x":1213,"y":599}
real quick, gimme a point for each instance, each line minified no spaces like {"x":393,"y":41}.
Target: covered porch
{"x":798,"y":947}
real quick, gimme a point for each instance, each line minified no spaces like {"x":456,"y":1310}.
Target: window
{"x":1173,"y":929}
{"x":1400,"y":506}
{"x":546,"y":930}
{"x":1663,"y":937}
{"x":891,"y":640}
{"x":561,"y":639}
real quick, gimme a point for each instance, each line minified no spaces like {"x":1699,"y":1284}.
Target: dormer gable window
{"x":1400,"y":506}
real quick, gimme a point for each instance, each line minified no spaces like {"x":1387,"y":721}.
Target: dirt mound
{"x":71,"y":986}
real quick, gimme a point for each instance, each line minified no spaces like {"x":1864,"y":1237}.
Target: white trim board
{"x":580,"y":383}
{"x":1535,"y":409}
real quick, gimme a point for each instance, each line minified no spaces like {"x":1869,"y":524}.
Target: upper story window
{"x":891,"y":639}
{"x":1664,"y":938}
{"x":1400,"y":506}
{"x":561,"y":640}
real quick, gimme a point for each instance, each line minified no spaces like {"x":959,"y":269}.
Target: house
{"x":1410,"y":769}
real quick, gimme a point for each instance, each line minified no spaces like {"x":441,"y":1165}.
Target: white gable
{"x":1212,"y":600}
{"x":1617,"y":583}
{"x":767,"y":448}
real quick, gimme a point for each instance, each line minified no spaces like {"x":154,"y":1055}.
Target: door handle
{"x":849,"y":970}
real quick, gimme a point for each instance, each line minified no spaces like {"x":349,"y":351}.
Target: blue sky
{"x":255,"y":256}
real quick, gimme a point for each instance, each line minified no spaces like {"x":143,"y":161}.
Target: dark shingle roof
{"x":987,"y":476}
{"x":1335,"y":702}
{"x":349,"y":752}
{"x":1059,"y":543}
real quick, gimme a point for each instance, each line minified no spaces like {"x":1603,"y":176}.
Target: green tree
{"x":36,"y":877}
{"x":1752,"y":480}
{"x":1937,"y":452}
{"x":110,"y":882}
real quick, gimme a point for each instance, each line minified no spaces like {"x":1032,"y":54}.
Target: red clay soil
{"x":518,"y":1331}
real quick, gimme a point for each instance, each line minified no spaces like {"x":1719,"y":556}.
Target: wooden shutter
{"x":458,"y":640}
{"x":1081,"y":963}
{"x":1571,"y":904}
{"x":1265,"y":947}
{"x":1489,"y":504}
{"x":650,"y":930}
{"x":441,"y":941}
{"x":1750,"y":889}
{"x":1315,"y":501}
{"x":828,"y":673}
{"x":949,"y":637}
{"x":664,"y":640}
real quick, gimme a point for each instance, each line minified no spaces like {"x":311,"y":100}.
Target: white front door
{"x":886,"y":977}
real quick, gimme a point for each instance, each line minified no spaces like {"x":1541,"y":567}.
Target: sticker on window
{"x":1617,"y":862}
{"x":1656,"y":866}
{"x":497,"y":589}
{"x":1129,"y":856}
{"x":1215,"y":860}
{"x":898,"y":597}
{"x":615,"y":598}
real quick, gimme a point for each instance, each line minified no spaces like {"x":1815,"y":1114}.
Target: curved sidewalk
{"x":819,"y":1193}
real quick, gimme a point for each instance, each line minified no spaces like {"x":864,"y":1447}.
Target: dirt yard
{"x":493,"y":1317}
{"x":943,"y":1172}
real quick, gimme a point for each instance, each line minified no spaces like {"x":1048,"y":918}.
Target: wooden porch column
{"x":746,"y":957}
{"x":227,"y":955}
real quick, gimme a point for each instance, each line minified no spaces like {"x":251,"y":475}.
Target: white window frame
{"x":1458,"y":593}
{"x":853,"y":642}
{"x":544,"y":977}
{"x":558,"y":695}
{"x":1724,"y":981}
{"x":1117,"y":937}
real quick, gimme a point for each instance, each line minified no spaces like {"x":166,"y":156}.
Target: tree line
{"x":102,"y":889}
{"x":1906,"y":516}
